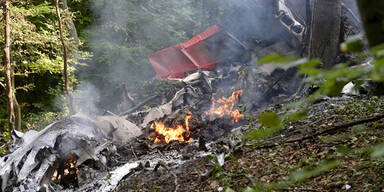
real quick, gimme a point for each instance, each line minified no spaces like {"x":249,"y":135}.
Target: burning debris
{"x":225,"y":107}
{"x":66,"y":172}
{"x":164,"y":134}
{"x":81,"y":152}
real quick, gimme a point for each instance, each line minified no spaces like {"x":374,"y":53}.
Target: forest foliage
{"x":116,"y":36}
{"x":115,"y":40}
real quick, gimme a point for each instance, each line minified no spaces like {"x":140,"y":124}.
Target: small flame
{"x":178,"y":133}
{"x":68,"y":167}
{"x":225,"y":107}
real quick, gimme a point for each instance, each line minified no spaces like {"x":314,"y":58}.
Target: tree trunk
{"x":372,"y":16}
{"x":70,"y":25}
{"x":8,"y":68}
{"x":16,"y":105}
{"x":325,"y":31}
{"x":65,"y":49}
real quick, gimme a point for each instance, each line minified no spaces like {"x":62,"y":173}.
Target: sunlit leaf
{"x":269,"y":59}
{"x":260,"y":133}
{"x":284,"y":60}
{"x":270,"y":119}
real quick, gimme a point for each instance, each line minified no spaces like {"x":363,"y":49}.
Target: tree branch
{"x":270,"y":142}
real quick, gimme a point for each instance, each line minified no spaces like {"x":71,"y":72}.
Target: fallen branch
{"x":270,"y":144}
{"x":139,"y":105}
{"x":133,"y":152}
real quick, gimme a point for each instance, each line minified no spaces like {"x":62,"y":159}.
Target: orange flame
{"x":67,"y":168}
{"x":170,"y":133}
{"x":224,"y":107}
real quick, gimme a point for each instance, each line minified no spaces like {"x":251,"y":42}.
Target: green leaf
{"x":378,"y":151}
{"x":275,"y":58}
{"x":298,"y":115}
{"x":260,"y":133}
{"x":270,"y":119}
{"x":378,"y":72}
{"x":374,"y":50}
{"x":284,"y":60}
{"x":269,"y":59}
{"x":333,"y":88}
{"x":300,"y":176}
{"x":353,"y":44}
{"x":294,"y":63}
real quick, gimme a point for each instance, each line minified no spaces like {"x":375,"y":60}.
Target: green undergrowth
{"x":352,"y":157}
{"x":341,"y":154}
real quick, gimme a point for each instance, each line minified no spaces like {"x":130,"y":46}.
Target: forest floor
{"x":330,"y":150}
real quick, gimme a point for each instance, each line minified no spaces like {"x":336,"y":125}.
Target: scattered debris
{"x":83,"y":153}
{"x":36,"y":155}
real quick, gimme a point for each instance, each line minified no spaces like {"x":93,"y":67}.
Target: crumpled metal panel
{"x":194,"y":54}
{"x":290,"y":20}
{"x":34,"y":153}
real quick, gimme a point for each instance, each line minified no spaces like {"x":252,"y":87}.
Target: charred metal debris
{"x":93,"y":153}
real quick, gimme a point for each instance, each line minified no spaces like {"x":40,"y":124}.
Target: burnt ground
{"x":334,"y":141}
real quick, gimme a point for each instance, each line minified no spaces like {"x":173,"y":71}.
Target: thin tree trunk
{"x":65,"y":48}
{"x":325,"y":31}
{"x":372,"y":15}
{"x":8,"y":67}
{"x":70,"y":25}
{"x":16,"y":105}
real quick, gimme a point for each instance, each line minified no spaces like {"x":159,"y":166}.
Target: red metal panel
{"x":171,"y":62}
{"x":198,"y":51}
{"x":174,"y":61}
{"x":202,"y":36}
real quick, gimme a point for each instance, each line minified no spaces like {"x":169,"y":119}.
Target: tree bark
{"x":8,"y":68}
{"x":16,"y":105}
{"x":17,"y":109}
{"x":325,"y":31}
{"x":65,"y":49}
{"x":70,"y":25}
{"x":372,"y":16}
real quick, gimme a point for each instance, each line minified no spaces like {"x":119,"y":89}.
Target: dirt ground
{"x":337,"y":157}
